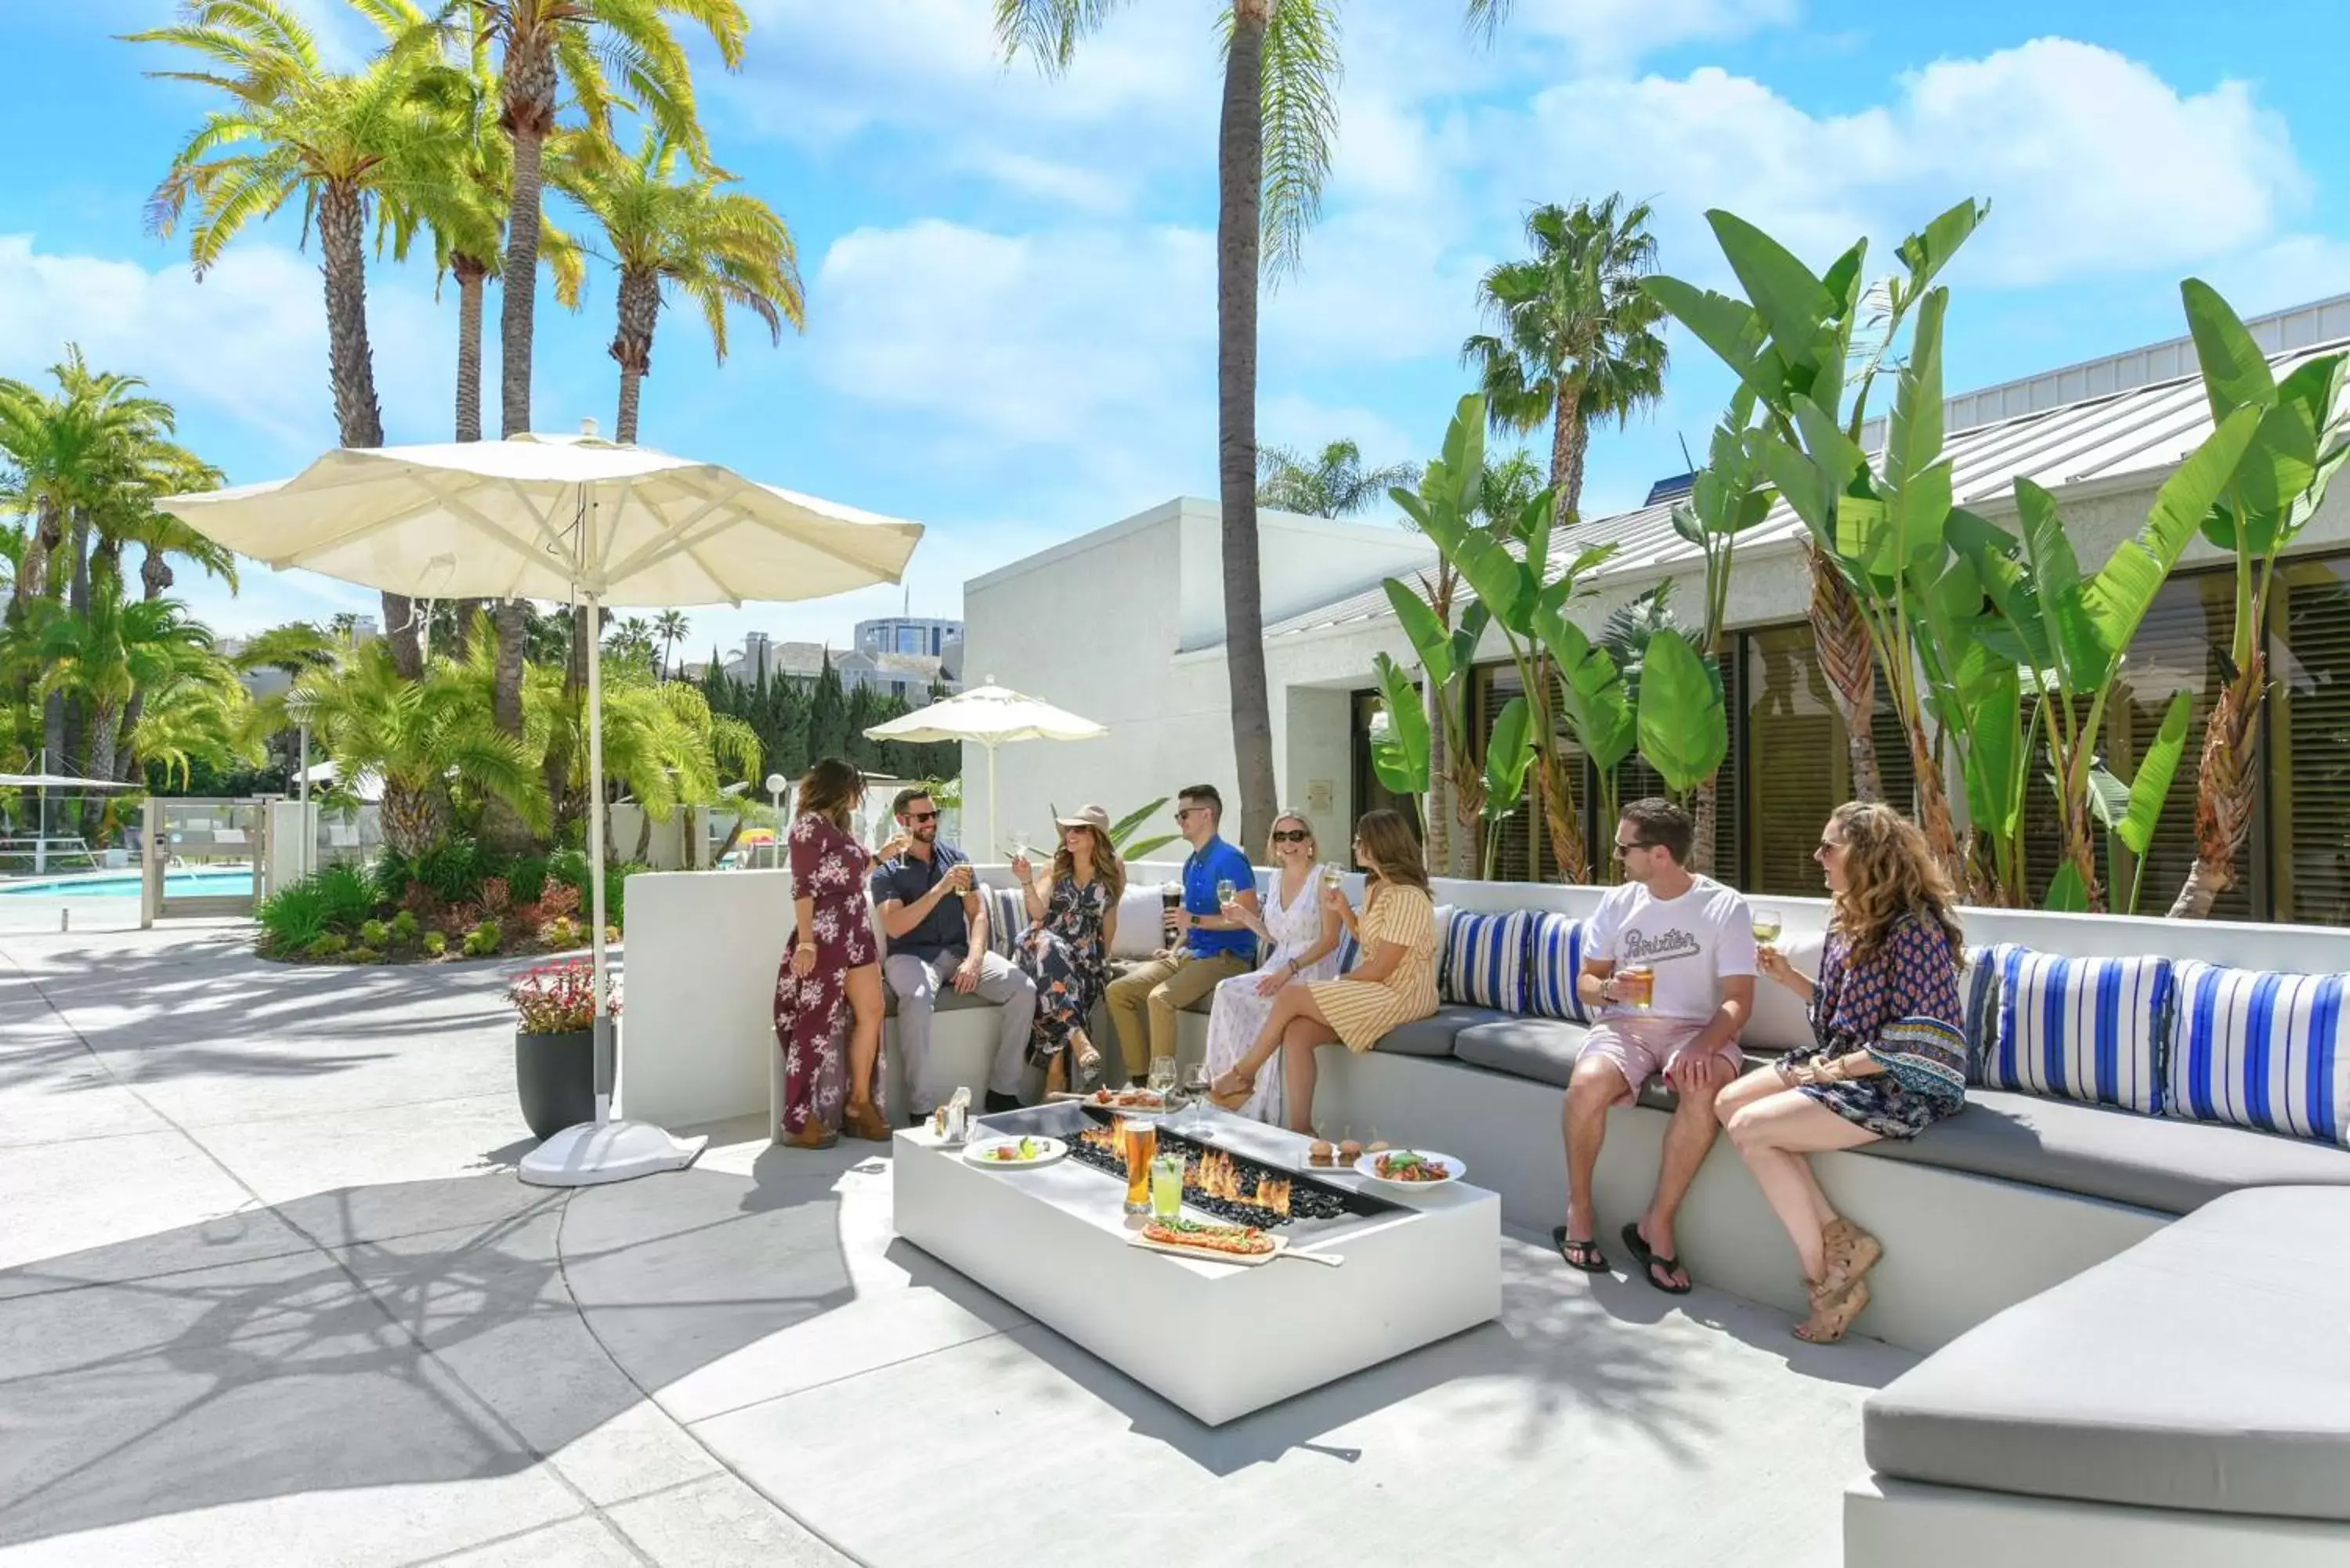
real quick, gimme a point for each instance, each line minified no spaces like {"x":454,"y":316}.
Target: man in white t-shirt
{"x":1695,"y":938}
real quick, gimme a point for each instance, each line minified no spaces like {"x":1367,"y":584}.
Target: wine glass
{"x":1162,"y":1077}
{"x":1225,"y":891}
{"x":1767,"y":925}
{"x":1195,"y":1083}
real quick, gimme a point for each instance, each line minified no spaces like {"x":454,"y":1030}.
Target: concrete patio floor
{"x":270,"y":1294}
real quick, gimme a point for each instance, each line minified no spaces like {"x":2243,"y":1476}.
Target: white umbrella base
{"x":593,"y":1152}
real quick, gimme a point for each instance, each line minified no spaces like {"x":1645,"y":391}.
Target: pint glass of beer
{"x":1139,"y":1134}
{"x":1171,"y":898}
{"x":1637,"y":984}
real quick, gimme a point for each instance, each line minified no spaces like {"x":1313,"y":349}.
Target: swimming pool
{"x":125,"y":885}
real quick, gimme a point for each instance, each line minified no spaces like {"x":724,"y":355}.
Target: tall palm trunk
{"x":472,"y":281}
{"x":351,"y":365}
{"x":2226,"y":789}
{"x":527,"y":115}
{"x":1570,"y":442}
{"x":155,"y":574}
{"x":1706,"y":812}
{"x":1240,"y":181}
{"x":1557,"y":792}
{"x":632,"y":344}
{"x":1439,"y":826}
{"x":1848,"y":658}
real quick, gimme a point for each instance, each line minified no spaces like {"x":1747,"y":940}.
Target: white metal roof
{"x":2112,"y":440}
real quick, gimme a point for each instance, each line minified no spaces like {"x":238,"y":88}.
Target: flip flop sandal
{"x":1651,"y":1261}
{"x":1591,"y":1261}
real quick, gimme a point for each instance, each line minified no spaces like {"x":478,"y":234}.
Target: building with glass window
{"x":1125,"y":626}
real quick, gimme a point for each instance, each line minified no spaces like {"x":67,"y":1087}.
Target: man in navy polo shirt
{"x":1210,"y":945}
{"x":937,"y":925}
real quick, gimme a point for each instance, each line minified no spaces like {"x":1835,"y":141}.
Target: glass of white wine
{"x":1162,"y":1077}
{"x":1767,"y":925}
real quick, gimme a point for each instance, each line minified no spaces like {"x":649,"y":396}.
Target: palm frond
{"x":1302,"y":72}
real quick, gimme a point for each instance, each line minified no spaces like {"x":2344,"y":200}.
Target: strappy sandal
{"x":1086,"y":1069}
{"x":1851,"y":1251}
{"x":1653,"y":1262}
{"x":1833,"y":1306}
{"x":1580,"y":1252}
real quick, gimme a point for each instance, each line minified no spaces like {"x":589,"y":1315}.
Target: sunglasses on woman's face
{"x":1286,"y":837}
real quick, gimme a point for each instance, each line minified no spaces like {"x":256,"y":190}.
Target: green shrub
{"x":616,"y":888}
{"x":404,"y":929}
{"x":363,"y":954}
{"x":331,"y":945}
{"x":350,"y":894}
{"x":435,"y":944}
{"x":483,"y":940}
{"x":375,"y":934}
{"x":456,"y":870}
{"x":393,"y":873}
{"x":526,"y":878}
{"x":568,"y":867}
{"x":293,"y":917}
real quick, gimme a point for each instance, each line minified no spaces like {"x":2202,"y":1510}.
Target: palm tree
{"x":670,"y":627}
{"x":716,"y":246}
{"x":1333,"y":485}
{"x":414,"y":735}
{"x":111,"y":653}
{"x":65,"y":456}
{"x":1575,"y":338}
{"x":343,"y":142}
{"x":1274,"y":134}
{"x":663,"y":746}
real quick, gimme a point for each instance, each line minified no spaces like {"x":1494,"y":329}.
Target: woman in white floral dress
{"x":1302,"y":931}
{"x":831,"y":972}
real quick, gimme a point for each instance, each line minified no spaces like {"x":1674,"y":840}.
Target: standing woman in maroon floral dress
{"x":831,"y":971}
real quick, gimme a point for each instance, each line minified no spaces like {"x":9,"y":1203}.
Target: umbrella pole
{"x":602,"y":988}
{"x":991,"y":839}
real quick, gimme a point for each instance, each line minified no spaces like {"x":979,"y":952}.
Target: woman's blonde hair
{"x":832,"y":789}
{"x":1889,"y":873}
{"x":1392,"y":848}
{"x":1313,"y":839}
{"x":1108,"y":869}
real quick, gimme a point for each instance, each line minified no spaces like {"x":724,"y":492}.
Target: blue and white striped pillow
{"x":1979,"y":1000}
{"x":1351,"y":954}
{"x":2081,"y":1029}
{"x":2259,"y":1049}
{"x":1485,"y":960}
{"x":1007,"y":918}
{"x":1554,"y":958}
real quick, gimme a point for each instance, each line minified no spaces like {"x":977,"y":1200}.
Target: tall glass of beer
{"x":1636,"y":984}
{"x":1139,"y":1134}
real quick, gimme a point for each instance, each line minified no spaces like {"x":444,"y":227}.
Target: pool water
{"x":125,"y":885}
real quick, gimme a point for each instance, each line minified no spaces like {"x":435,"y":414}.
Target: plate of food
{"x":1323,"y":1158}
{"x":1016,"y":1153}
{"x":1411,"y":1167}
{"x":1127,"y":1099}
{"x":1217,"y":1243}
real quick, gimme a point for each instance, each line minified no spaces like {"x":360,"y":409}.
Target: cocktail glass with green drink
{"x":1166,"y":1186}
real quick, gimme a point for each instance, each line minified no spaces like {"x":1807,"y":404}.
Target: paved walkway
{"x":269,"y":1294}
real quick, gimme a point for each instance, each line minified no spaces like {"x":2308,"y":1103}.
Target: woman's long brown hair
{"x":1108,"y":869}
{"x":1889,"y":872}
{"x":832,"y":789}
{"x":1391,"y":845}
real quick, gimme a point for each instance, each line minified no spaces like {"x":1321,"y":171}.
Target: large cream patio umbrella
{"x":579,"y":520}
{"x":988,"y":716}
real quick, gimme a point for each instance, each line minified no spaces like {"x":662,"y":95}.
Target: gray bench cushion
{"x":2152,"y":1162}
{"x":1434,"y":1036}
{"x":1542,"y":1049}
{"x":2206,"y":1368}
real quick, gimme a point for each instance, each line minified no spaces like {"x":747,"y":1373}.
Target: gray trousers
{"x":917,"y":984}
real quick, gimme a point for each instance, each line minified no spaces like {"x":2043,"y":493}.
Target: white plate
{"x":1152,"y":1108}
{"x":1453,"y":1169}
{"x":1048,"y":1150}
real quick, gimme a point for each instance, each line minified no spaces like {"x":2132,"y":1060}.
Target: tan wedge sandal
{"x":1851,"y":1251}
{"x":1833,"y":1306}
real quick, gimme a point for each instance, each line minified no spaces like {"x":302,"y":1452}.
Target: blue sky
{"x":1010,"y":286}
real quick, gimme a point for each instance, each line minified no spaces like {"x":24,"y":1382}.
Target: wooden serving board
{"x":1204,"y":1255}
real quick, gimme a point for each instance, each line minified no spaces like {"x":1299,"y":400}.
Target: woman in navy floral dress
{"x":1073,"y":920}
{"x":831,"y":972}
{"x":1890,"y":1056}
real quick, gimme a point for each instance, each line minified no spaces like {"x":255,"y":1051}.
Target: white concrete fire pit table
{"x":1218,"y":1340}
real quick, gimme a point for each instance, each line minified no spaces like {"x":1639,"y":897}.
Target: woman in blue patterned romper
{"x":1891,"y":1057}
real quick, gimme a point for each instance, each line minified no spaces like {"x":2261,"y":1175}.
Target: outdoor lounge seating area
{"x":2004,"y":1226}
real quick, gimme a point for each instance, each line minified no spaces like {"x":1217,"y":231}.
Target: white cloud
{"x":248,"y":343}
{"x":2295,"y":270}
{"x":1603,"y":34}
{"x":2093,"y":164}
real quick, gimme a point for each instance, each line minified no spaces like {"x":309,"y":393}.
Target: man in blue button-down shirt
{"x":937,"y":926}
{"x":1208,"y":945}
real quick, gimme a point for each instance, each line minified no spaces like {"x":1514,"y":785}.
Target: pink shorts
{"x":1643,"y":1047}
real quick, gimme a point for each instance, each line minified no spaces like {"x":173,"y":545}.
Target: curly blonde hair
{"x":1889,"y":874}
{"x":1108,"y":869}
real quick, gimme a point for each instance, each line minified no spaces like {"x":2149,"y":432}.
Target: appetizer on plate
{"x":1012,"y":1153}
{"x":1128,"y":1099}
{"x":1406,"y":1165}
{"x":1241,"y":1240}
{"x":1319,"y":1152}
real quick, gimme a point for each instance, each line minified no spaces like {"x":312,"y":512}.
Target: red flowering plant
{"x":556,"y":998}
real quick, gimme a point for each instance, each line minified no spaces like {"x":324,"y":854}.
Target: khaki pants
{"x":1162,"y":989}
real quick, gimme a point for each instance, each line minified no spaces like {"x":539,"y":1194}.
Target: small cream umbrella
{"x":989,"y":716}
{"x":570,"y":518}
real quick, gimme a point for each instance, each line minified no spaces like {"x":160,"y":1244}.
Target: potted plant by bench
{"x":555,"y":1044}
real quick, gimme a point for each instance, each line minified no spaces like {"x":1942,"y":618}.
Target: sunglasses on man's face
{"x":1289,"y":837}
{"x":921,"y":817}
{"x":1624,"y":849}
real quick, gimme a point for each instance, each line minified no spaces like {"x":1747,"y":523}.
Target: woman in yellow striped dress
{"x":1394,"y":981}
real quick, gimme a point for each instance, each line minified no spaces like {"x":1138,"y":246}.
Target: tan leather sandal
{"x":1833,"y":1306}
{"x":1851,"y":1251}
